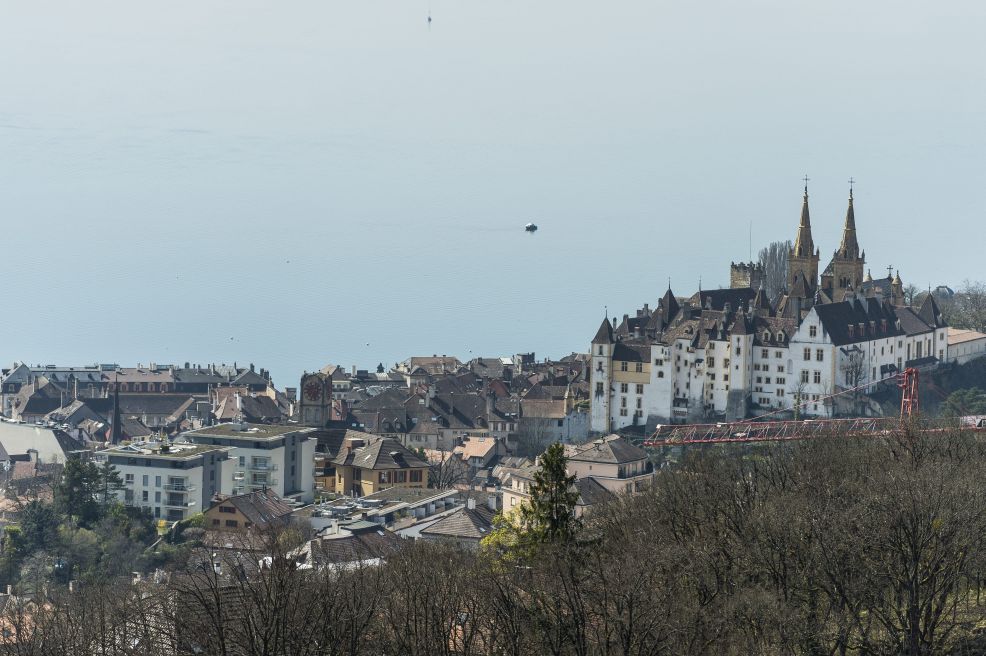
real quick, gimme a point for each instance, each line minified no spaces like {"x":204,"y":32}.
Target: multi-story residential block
{"x":279,"y":458}
{"x":170,"y":481}
{"x":733,"y":353}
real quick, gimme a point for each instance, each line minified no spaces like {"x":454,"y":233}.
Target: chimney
{"x":354,"y":370}
{"x":470,"y":504}
{"x":491,"y":502}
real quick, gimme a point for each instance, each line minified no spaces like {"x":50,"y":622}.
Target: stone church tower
{"x":601,"y":377}
{"x":315,"y":399}
{"x":846,"y":269}
{"x":803,"y":258}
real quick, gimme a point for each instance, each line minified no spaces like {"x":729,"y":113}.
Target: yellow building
{"x":369,"y":463}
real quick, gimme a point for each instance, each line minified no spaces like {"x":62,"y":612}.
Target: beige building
{"x":965,"y":345}
{"x":369,"y":463}
{"x":612,"y":462}
{"x":603,"y":468}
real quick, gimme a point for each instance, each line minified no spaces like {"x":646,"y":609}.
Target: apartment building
{"x":170,"y":481}
{"x":277,"y":458}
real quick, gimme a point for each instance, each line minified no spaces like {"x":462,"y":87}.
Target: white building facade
{"x":279,"y":458}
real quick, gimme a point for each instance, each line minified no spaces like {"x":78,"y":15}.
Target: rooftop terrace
{"x":247,"y":431}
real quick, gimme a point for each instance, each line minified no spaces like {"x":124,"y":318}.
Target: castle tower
{"x":601,"y":377}
{"x":897,"y":290}
{"x":847,"y":262}
{"x":803,"y":258}
{"x":743,"y":274}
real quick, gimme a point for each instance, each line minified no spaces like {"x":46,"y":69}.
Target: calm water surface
{"x":312,"y":182}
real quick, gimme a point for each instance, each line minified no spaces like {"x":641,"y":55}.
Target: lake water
{"x":293,"y":184}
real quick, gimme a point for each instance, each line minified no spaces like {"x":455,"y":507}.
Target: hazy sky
{"x":296,"y":183}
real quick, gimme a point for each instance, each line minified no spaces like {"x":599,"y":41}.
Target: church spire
{"x":849,"y":248}
{"x":803,"y":244}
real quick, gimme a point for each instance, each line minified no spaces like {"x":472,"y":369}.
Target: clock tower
{"x":315,"y":399}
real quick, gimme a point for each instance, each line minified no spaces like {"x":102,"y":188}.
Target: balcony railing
{"x":178,"y":503}
{"x":270,"y":482}
{"x":179,"y":488}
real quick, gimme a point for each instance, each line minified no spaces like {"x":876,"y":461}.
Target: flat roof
{"x":249,"y":431}
{"x":960,"y":336}
{"x":153,"y":450}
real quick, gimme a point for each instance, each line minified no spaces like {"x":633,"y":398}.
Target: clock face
{"x":312,"y":391}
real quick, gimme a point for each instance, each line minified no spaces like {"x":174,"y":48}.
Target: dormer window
{"x":766,"y":337}
{"x":851,"y":330}
{"x":780,"y":338}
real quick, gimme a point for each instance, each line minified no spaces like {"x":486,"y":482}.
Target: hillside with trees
{"x":828,"y":546}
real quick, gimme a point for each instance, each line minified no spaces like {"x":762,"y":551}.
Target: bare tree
{"x":853,"y":368}
{"x":534,"y":436}
{"x":448,"y":471}
{"x":773,"y":258}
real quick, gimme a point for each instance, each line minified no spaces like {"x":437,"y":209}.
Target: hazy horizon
{"x":294,"y":185}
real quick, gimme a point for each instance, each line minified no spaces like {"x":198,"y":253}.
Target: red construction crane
{"x":757,"y":430}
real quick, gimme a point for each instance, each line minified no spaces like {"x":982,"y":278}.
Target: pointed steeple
{"x":669,"y":306}
{"x":803,"y":244}
{"x":849,"y":248}
{"x":605,"y":333}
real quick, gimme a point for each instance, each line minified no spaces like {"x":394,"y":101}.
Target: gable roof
{"x":592,"y":492}
{"x":841,"y":320}
{"x":359,"y":547}
{"x":260,"y":507}
{"x":610,"y":449}
{"x":465,"y":523}
{"x":377,"y":453}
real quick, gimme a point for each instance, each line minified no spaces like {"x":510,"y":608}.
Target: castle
{"x":734,"y":353}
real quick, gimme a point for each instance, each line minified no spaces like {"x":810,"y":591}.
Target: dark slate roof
{"x":930,"y":313}
{"x":802,"y":288}
{"x":741,"y":325}
{"x":631,"y":352}
{"x":154,"y":404}
{"x":198,"y":376}
{"x":836,"y":319}
{"x":609,"y":449}
{"x":605,"y":333}
{"x":260,"y":507}
{"x":716,"y":299}
{"x":883,"y":285}
{"x":378,"y":453}
{"x":591,"y":492}
{"x":465,"y":523}
{"x":249,"y":377}
{"x":361,"y":546}
{"x":911,"y":323}
{"x":668,"y":306}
